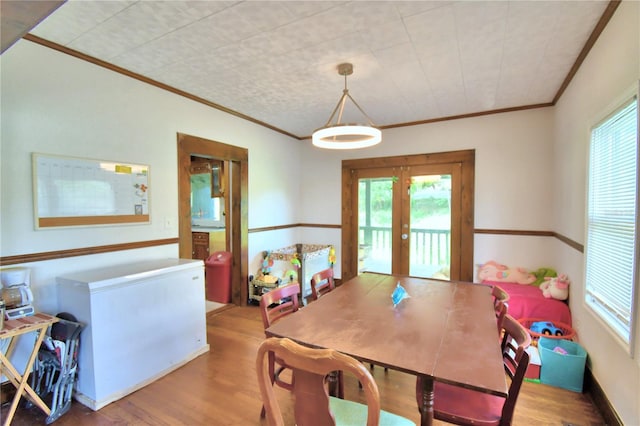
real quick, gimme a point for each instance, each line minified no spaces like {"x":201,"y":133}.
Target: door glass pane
{"x":430,"y":219}
{"x":375,"y":202}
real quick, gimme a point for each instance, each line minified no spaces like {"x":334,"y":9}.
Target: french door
{"x":406,"y":215}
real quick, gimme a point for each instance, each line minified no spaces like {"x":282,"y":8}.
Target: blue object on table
{"x":399,"y":294}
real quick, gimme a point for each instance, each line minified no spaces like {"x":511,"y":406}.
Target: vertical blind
{"x":611,"y":219}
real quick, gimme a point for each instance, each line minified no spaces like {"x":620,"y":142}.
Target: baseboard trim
{"x":220,"y":309}
{"x":600,"y":400}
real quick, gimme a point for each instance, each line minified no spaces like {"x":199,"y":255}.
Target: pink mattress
{"x":527,"y":301}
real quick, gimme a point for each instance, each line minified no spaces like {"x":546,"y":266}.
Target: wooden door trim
{"x":237,"y":212}
{"x":466,"y":158}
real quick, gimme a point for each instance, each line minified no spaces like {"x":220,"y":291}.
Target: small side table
{"x":39,"y":323}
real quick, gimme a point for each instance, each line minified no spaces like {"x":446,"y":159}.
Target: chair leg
{"x":371,"y":368}
{"x":335,"y":380}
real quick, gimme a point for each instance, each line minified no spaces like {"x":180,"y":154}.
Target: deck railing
{"x":428,"y":246}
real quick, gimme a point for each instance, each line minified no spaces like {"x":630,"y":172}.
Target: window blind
{"x":611,"y":219}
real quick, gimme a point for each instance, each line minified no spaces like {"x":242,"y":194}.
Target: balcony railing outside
{"x":430,"y":249}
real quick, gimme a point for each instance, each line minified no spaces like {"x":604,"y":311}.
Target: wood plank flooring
{"x":219,"y":388}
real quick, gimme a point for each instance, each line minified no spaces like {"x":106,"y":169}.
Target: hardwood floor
{"x":220,"y":388}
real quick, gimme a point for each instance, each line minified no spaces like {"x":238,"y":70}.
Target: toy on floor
{"x":560,"y":350}
{"x":267,"y":262}
{"x":546,"y":327}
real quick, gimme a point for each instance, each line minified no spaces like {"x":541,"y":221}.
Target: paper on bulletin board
{"x":71,"y":191}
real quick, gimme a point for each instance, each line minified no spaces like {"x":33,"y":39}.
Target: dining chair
{"x":499,"y":294}
{"x":501,"y":310}
{"x":313,"y":405}
{"x":462,"y":406}
{"x":321,"y":283}
{"x":276,"y":304}
{"x":500,"y":299}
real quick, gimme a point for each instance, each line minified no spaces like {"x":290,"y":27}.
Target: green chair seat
{"x":350,"y":413}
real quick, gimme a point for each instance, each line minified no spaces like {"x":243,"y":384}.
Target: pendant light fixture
{"x":344,"y":135}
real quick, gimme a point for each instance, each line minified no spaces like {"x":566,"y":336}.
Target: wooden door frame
{"x":466,"y":159}
{"x":236,"y":213}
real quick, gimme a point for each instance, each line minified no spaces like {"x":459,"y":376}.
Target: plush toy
{"x":267,"y":262}
{"x":542,"y":274}
{"x":332,"y":256}
{"x":292,"y":275}
{"x":493,"y":271}
{"x":295,"y":262}
{"x":556,"y":287}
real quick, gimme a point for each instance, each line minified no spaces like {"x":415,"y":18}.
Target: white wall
{"x":513,"y":177}
{"x":609,"y":70}
{"x":54,"y":103}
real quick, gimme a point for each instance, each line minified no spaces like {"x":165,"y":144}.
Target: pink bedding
{"x":527,"y":301}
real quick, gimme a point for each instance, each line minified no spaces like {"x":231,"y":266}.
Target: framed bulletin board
{"x":69,"y":191}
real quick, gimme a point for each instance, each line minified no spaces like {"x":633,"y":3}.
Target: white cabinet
{"x":143,"y":319}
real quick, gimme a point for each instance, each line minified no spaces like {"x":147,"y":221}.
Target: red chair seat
{"x":462,"y":406}
{"x":455,"y":404}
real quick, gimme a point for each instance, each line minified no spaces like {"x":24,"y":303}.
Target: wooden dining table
{"x":443,"y":331}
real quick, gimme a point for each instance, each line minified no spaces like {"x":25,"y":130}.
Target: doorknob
{"x":405,"y":236}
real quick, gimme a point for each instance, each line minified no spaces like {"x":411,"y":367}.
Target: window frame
{"x":599,"y":312}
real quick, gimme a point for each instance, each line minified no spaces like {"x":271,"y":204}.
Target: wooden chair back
{"x":273,"y":305}
{"x":311,"y":367}
{"x":501,"y":310}
{"x":499,"y":294}
{"x":515,"y":342}
{"x":500,"y":299}
{"x":322,"y":283}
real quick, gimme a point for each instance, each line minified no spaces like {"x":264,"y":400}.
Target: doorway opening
{"x":229,"y":184}
{"x":410,"y":215}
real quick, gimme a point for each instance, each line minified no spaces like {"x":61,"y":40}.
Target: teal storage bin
{"x":565,"y":371}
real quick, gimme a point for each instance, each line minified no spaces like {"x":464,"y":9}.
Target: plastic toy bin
{"x":562,"y":370}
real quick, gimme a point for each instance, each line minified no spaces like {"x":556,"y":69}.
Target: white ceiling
{"x":275,"y":61}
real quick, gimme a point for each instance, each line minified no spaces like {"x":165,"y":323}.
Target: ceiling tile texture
{"x":276,"y":61}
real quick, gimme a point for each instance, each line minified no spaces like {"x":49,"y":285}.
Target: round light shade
{"x":346,"y":136}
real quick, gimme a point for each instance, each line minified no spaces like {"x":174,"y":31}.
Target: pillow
{"x":493,"y":271}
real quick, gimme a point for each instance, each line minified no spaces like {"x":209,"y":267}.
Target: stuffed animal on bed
{"x":556,"y":288}
{"x":493,"y":271}
{"x":543,"y":274}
